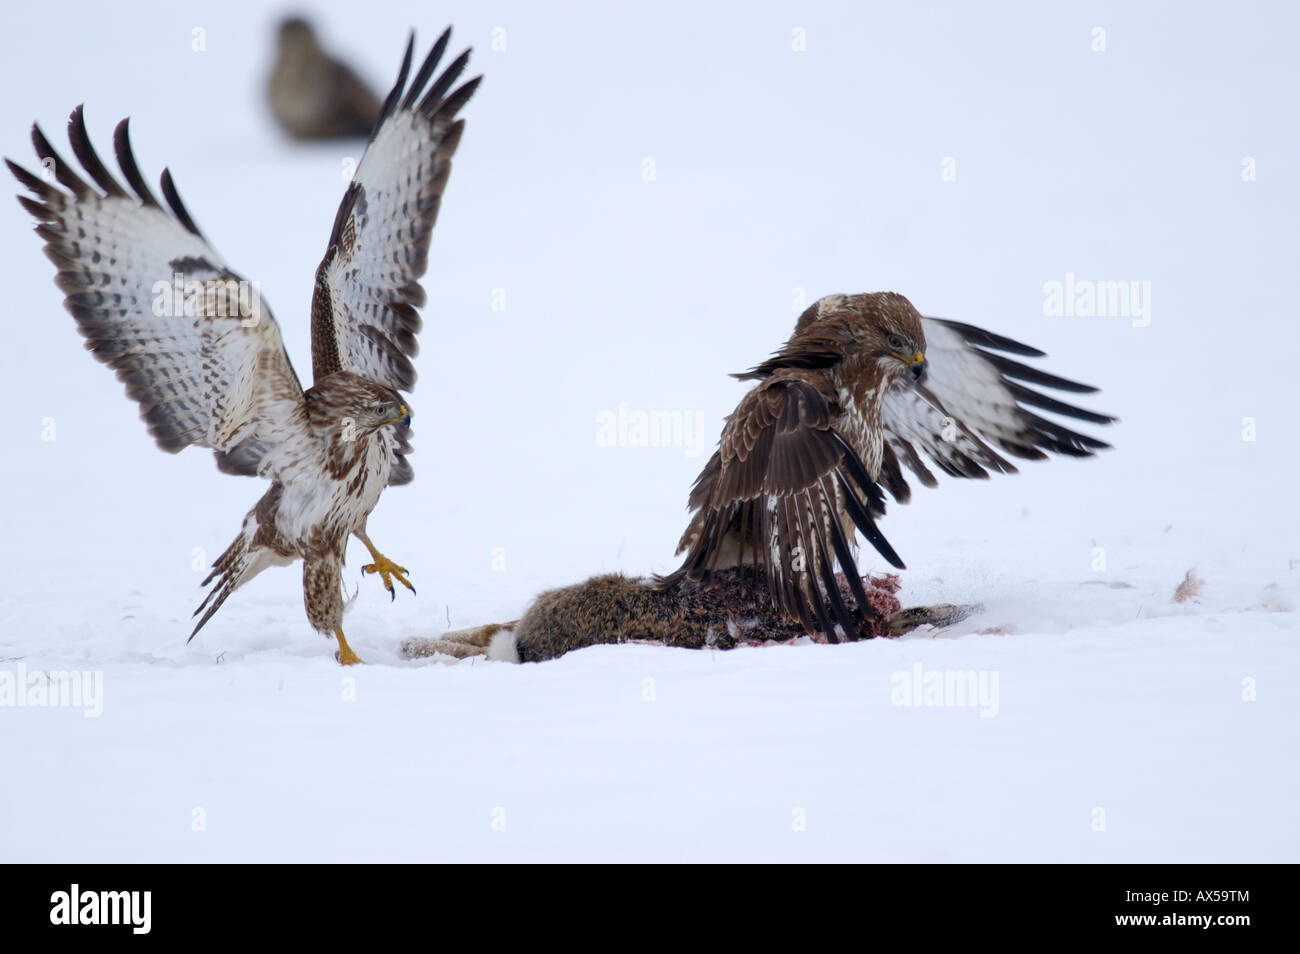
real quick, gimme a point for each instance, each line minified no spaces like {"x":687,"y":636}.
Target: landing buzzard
{"x":204,"y":358}
{"x":861,"y":389}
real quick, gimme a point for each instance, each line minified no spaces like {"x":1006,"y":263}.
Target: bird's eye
{"x":896,"y":342}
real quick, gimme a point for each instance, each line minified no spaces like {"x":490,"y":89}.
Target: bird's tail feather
{"x":240,"y":562}
{"x":226,"y":570}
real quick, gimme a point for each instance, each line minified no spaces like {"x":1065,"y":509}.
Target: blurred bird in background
{"x":312,"y":94}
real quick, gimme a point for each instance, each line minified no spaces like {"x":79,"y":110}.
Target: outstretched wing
{"x":774,"y":493}
{"x":364,"y":316}
{"x":973,"y":402}
{"x":191,"y":341}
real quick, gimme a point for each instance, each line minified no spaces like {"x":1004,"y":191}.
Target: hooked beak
{"x":404,"y":418}
{"x":916,"y":364}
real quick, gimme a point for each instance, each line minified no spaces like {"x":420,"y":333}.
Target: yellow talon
{"x":386,"y":569}
{"x":345,"y":655}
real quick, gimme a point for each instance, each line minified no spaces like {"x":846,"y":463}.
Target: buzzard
{"x":314,"y":96}
{"x":862,"y":389}
{"x":203,"y":356}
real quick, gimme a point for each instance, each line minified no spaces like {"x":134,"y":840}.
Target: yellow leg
{"x":345,"y":655}
{"x":386,"y":568}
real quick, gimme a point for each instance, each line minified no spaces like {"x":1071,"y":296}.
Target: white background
{"x":775,"y":171}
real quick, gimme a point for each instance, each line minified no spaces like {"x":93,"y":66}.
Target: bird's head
{"x":297,"y":33}
{"x":886,"y":329}
{"x":377,"y":405}
{"x":392,"y":410}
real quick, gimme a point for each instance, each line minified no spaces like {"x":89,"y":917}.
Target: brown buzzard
{"x":862,"y":389}
{"x":314,"y":96}
{"x":203,"y":355}
{"x":864,"y":386}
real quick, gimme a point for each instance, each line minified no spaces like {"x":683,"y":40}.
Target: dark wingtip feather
{"x":456,"y":101}
{"x":850,"y":569}
{"x":426,"y":69}
{"x":1054,"y":437}
{"x":1031,"y":397}
{"x":891,"y":476}
{"x":395,"y":95}
{"x":860,"y":514}
{"x":130,"y":169}
{"x":62,"y":171}
{"x":90,"y":161}
{"x":38,"y":211}
{"x":1023,"y":372}
{"x":988,"y":339}
{"x":431,"y":100}
{"x":177,"y":206}
{"x":31,"y":181}
{"x":22,"y":175}
{"x":832,"y":591}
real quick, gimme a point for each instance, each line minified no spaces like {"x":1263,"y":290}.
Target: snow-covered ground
{"x":1114,"y":723}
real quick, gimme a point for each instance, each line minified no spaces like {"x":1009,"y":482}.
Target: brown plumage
{"x":313,"y":95}
{"x":796,"y":467}
{"x":861,"y":384}
{"x":204,"y":358}
{"x":862,"y":389}
{"x":728,"y":610}
{"x":348,"y":421}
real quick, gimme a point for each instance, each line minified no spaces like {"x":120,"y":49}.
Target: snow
{"x":1126,"y":727}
